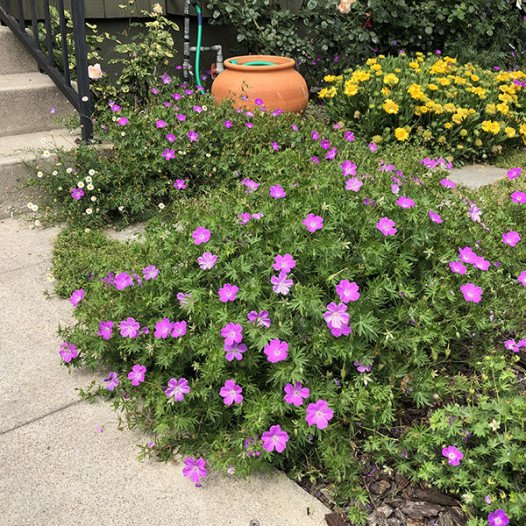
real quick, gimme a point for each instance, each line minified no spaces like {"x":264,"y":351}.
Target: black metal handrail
{"x":13,"y":16}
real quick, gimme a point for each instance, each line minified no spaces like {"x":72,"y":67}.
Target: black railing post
{"x":34,"y":24}
{"x":81,"y":54}
{"x":49,"y":31}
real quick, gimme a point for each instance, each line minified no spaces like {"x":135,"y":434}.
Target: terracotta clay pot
{"x":251,"y":77}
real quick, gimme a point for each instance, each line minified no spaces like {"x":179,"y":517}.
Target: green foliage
{"x":472,"y":113}
{"x":429,"y":349}
{"x":324,"y":40}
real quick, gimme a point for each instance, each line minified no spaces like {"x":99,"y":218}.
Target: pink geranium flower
{"x":336,"y":315}
{"x":76,"y":297}
{"x":405,"y":202}
{"x":348,"y":291}
{"x":179,"y":329}
{"x":498,"y":518}
{"x":344,"y":330}
{"x":250,"y":185}
{"x":511,"y":238}
{"x":137,"y":374}
{"x":471,"y":292}
{"x":261,"y":319}
{"x":161,"y":124}
{"x":348,"y":168}
{"x":122,"y":281}
{"x":281,"y":283}
{"x":111,"y":381}
{"x":519,"y":197}
{"x":313,"y":222}
{"x":284,"y":263}
{"x":129,"y":328}
{"x":453,"y":455}
{"x":163,"y":329}
{"x":235,"y":351}
{"x":150,"y":272}
{"x":522,"y":278}
{"x":105,"y":329}
{"x":201,"y":235}
{"x":457,"y":267}
{"x":275,"y":439}
{"x":481,"y":263}
{"x":232,"y":333}
{"x":448,"y":183}
{"x":231,"y":393}
{"x":177,"y":389}
{"x":207,"y":261}
{"x":513,"y":173}
{"x":319,"y":414}
{"x":122,"y":121}
{"x":277,"y":192}
{"x":296,"y":394}
{"x":386,"y":226}
{"x":435,"y":217}
{"x":467,"y":255}
{"x":227,"y":293}
{"x":194,"y":469}
{"x":193,"y":136}
{"x":353,"y":184}
{"x":179,"y":184}
{"x":77,"y":193}
{"x":276,"y":350}
{"x":68,"y":352}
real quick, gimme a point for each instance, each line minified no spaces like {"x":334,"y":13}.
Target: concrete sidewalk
{"x":64,"y":462}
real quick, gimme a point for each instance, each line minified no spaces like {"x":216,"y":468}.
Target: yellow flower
{"x":386,"y":91}
{"x":450,"y":107}
{"x":475,"y":78}
{"x":432,"y":87}
{"x":376,"y":67}
{"x":332,"y":78}
{"x":401,"y":134}
{"x":327,"y":93}
{"x":448,"y":126}
{"x":478,"y":143}
{"x":360,"y":76}
{"x":391,"y":79}
{"x":443,"y":81}
{"x":350,"y":89}
{"x":463,"y":132}
{"x":492,"y":127}
{"x":415,"y":90}
{"x":510,"y":132}
{"x":371,"y":61}
{"x":391,"y":107}
{"x":491,"y":109}
{"x":414,"y":65}
{"x":503,"y":108}
{"x":522,"y":129}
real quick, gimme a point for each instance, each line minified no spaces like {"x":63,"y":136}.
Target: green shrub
{"x":470,"y":112}
{"x":416,"y":342}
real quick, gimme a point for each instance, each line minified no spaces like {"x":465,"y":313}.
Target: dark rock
{"x":380,"y":488}
{"x":385,"y":510}
{"x":458,"y":517}
{"x":444,"y":519}
{"x":420,"y":510}
{"x":333,"y":519}
{"x":435,"y":497}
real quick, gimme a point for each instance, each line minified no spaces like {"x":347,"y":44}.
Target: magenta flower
{"x":457,"y":267}
{"x":522,"y":278}
{"x":313,"y":222}
{"x":348,"y":168}
{"x":395,"y":189}
{"x":77,"y":193}
{"x":112,"y":381}
{"x":194,"y":469}
{"x":122,"y":281}
{"x":435,"y":217}
{"x":168,"y":154}
{"x":275,"y":146}
{"x":231,"y":393}
{"x":474,"y":213}
{"x":448,"y":183}
{"x":193,"y":136}
{"x":166,"y":78}
{"x":373,"y":147}
{"x":161,"y":124}
{"x":250,"y":185}
{"x":232,"y":333}
{"x":68,"y":352}
{"x":325,"y":144}
{"x":296,"y":394}
{"x":516,"y":197}
{"x":405,"y":202}
{"x":207,"y":261}
{"x":179,"y":329}
{"x":348,"y":291}
{"x":177,"y":389}
{"x":184,"y":299}
{"x":129,"y":328}
{"x":511,"y":345}
{"x":281,"y":283}
{"x":150,"y":272}
{"x":277,"y":192}
{"x":332,"y":153}
{"x":481,"y":263}
{"x":261,"y":319}
{"x":235,"y":351}
{"x":513,"y":173}
{"x":163,"y":329}
{"x":453,"y":455}
{"x":284,"y":263}
{"x":201,"y":235}
{"x":275,"y":439}
{"x":511,"y":238}
{"x":249,"y":125}
{"x":227,"y":124}
{"x":386,"y":226}
{"x":122,"y":121}
{"x":105,"y":329}
{"x":349,"y":136}
{"x":227,"y":293}
{"x":181,"y":117}
{"x":354,"y":184}
{"x":276,"y":350}
{"x":315,"y":135}
{"x":336,"y":315}
{"x":471,"y":292}
{"x":344,"y":330}
{"x":319,"y":414}
{"x":315,"y":160}
{"x":361,"y":368}
{"x":76,"y":297}
{"x":467,"y":255}
{"x":244,"y":218}
{"x":498,"y":518}
{"x":180,"y":184}
{"x":171,"y":137}
{"x":137,"y":374}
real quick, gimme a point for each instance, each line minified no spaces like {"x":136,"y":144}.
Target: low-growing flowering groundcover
{"x":470,"y":112}
{"x":294,"y":317}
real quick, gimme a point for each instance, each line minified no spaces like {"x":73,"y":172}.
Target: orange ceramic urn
{"x":266,"y":78}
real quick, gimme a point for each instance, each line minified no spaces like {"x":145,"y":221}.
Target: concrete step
{"x":30,"y":102}
{"x":14,"y":151}
{"x":13,"y":56}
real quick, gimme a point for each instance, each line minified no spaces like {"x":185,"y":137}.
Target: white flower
{"x":80,"y":184}
{"x":34,"y":208}
{"x":89,"y":211}
{"x":208,"y":155}
{"x":157,"y":9}
{"x":60,"y":187}
{"x":88,"y":179}
{"x":38,"y":223}
{"x":69,"y":170}
{"x":161,"y":206}
{"x":54,"y":172}
{"x":40,"y":174}
{"x":30,"y":205}
{"x":94,"y":72}
{"x":123,"y":134}
{"x":204,"y":108}
{"x":93,"y":198}
{"x":50,"y":277}
{"x":46,"y":154}
{"x":121,"y":208}
{"x":90,"y":187}
{"x":87,"y":230}
{"x":91,"y":171}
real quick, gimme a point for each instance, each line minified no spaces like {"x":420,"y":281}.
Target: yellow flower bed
{"x":457,"y":108}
